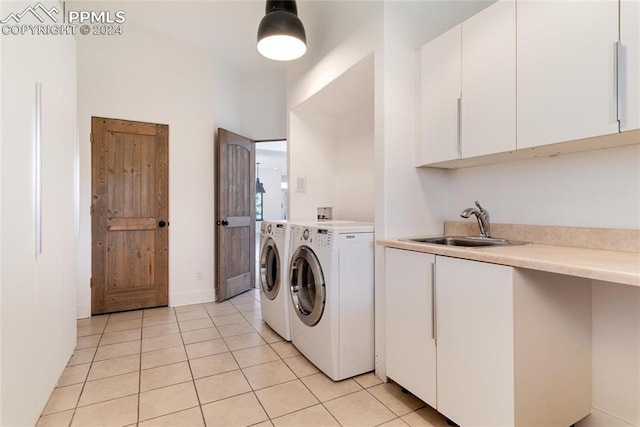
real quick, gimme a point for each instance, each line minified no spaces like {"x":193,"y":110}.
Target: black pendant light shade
{"x":281,"y":35}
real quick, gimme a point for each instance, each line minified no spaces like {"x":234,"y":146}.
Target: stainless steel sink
{"x":464,"y":241}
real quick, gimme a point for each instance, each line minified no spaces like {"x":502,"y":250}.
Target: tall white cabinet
{"x":38,"y":301}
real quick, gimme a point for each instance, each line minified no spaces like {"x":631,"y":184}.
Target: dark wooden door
{"x":236,"y":212}
{"x":130,"y":215}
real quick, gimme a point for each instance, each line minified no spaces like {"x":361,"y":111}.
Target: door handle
{"x":223,"y":223}
{"x":162,"y":224}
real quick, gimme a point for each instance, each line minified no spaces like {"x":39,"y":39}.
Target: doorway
{"x":129,"y":215}
{"x":271,"y":187}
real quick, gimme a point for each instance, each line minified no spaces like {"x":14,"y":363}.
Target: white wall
{"x":335,"y":157}
{"x":332,"y":147}
{"x":263,"y":97}
{"x":154,"y":79}
{"x":38,"y":305}
{"x":591,"y":189}
{"x":353,"y":183}
{"x":341,"y":35}
{"x":311,"y":153}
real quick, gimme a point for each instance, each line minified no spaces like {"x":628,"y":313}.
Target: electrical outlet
{"x":198,"y":275}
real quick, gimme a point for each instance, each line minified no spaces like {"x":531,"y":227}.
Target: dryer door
{"x":307,"y":286}
{"x":270,"y":269}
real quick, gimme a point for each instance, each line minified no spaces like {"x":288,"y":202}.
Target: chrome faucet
{"x":482,"y":216}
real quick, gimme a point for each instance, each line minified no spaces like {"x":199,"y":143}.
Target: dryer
{"x":331,"y":285}
{"x":274,"y":262}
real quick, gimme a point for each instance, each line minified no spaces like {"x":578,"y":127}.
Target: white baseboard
{"x":600,"y":419}
{"x":177,"y":299}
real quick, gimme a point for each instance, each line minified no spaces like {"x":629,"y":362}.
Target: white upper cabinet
{"x":529,"y":78}
{"x":440,"y":98}
{"x":566,"y":70}
{"x":629,"y":73}
{"x":489,"y":80}
{"x":469,"y":88}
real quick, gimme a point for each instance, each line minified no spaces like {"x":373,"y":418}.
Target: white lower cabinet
{"x":411,"y":347}
{"x":475,"y":335}
{"x":510,"y":347}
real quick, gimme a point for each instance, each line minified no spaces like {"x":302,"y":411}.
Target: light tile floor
{"x":215,"y":365}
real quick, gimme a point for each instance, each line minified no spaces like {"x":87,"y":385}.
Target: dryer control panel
{"x":324,"y":238}
{"x":279,"y":231}
{"x":276,"y":230}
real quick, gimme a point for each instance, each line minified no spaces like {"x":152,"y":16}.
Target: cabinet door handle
{"x":617,"y":53}
{"x":38,"y":169}
{"x":433,"y":302}
{"x":460,"y":126}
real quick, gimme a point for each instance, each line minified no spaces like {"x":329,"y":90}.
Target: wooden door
{"x":236,"y":212}
{"x":130,"y":215}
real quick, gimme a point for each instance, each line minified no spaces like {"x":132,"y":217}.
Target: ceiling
{"x":228,"y":28}
{"x":225,"y":27}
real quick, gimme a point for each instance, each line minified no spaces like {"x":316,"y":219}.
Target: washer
{"x":274,"y":263}
{"x":331,"y":286}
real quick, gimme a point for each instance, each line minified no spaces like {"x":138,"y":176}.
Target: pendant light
{"x":281,"y":35}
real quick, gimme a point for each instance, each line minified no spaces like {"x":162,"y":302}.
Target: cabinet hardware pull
{"x":433,"y":302}
{"x":460,"y":126}
{"x":38,"y":169}
{"x":618,"y":52}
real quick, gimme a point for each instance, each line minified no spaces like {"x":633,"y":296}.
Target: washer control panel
{"x":320,"y":238}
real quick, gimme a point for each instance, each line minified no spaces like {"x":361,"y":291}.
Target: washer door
{"x":307,"y":285}
{"x":270,"y":269}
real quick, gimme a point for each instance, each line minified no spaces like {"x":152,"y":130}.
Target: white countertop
{"x":597,"y":264}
